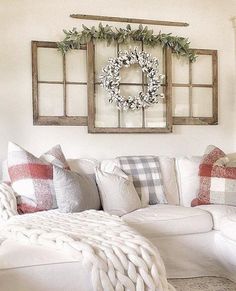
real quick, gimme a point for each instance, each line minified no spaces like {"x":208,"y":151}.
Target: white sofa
{"x":193,"y":242}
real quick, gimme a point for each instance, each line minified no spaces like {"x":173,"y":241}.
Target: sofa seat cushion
{"x":228,"y":227}
{"x":162,"y":220}
{"x":218,"y":212}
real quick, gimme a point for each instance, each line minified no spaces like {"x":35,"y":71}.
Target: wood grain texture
{"x":91,"y":86}
{"x":52,"y":120}
{"x":128,"y":20}
{"x":191,"y":120}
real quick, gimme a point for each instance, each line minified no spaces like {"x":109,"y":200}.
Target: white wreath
{"x":110,"y":79}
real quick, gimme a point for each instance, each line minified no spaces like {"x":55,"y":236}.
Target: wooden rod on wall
{"x":129,"y":20}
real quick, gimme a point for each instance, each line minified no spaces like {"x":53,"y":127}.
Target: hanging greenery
{"x":74,"y":38}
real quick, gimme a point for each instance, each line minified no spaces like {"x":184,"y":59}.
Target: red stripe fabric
{"x":32,"y":171}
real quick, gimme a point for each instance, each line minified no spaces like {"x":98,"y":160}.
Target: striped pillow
{"x":217,"y":179}
{"x":32,"y":178}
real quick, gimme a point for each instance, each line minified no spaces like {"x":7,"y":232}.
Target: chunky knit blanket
{"x":119,"y":258}
{"x":8,"y":206}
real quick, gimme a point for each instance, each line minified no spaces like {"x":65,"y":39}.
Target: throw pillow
{"x":74,"y":192}
{"x":32,"y":178}
{"x":187,"y":169}
{"x":147,"y":178}
{"x":117,"y":192}
{"x":217,"y":179}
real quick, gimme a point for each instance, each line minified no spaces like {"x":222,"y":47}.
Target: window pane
{"x":76,"y":70}
{"x":76,"y":100}
{"x":202,"y":102}
{"x":180,"y":101}
{"x":102,"y":54}
{"x":50,"y":65}
{"x":159,"y":54}
{"x":131,"y":118}
{"x":155,"y":115}
{"x":50,"y":100}
{"x":106,"y":113}
{"x":132,"y":74}
{"x":202,"y":70}
{"x":180,"y":70}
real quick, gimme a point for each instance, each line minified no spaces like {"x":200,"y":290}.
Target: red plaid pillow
{"x":32,"y":178}
{"x":217,"y":180}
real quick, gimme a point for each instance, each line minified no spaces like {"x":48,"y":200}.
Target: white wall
{"x":22,"y":21}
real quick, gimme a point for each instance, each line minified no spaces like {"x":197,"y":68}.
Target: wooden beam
{"x":129,"y":20}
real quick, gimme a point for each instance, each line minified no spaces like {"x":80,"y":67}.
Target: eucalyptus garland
{"x":74,"y":38}
{"x":110,"y":79}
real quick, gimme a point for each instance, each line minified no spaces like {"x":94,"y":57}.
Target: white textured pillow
{"x":117,"y":192}
{"x":167,"y":165}
{"x":188,"y":180}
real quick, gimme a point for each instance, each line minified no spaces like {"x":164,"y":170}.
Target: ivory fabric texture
{"x":217,"y":179}
{"x":188,"y":180}
{"x":8,"y":207}
{"x":32,"y":178}
{"x":119,"y":258}
{"x":74,"y":192}
{"x":117,"y":192}
{"x":147,"y":178}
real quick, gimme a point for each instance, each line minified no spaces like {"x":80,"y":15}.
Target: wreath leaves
{"x":73,"y":38}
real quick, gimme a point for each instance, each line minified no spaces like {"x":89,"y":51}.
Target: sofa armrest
{"x":218,"y":213}
{"x":8,"y":205}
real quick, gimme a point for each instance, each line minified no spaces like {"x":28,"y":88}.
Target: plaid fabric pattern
{"x":31,"y":179}
{"x":217,"y":180}
{"x":146,"y":174}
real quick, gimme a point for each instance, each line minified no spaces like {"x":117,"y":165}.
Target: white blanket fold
{"x":119,"y":257}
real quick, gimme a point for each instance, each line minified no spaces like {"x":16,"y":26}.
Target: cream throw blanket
{"x":119,"y":258}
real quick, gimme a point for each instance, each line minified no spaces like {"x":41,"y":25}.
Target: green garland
{"x":73,"y":39}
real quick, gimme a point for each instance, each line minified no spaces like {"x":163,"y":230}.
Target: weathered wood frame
{"x":190,"y":120}
{"x":128,"y":20}
{"x":52,"y":120}
{"x":92,"y":104}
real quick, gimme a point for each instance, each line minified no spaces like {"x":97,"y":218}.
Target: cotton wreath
{"x":110,"y":79}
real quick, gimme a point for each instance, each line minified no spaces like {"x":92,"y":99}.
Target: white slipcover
{"x":163,"y":219}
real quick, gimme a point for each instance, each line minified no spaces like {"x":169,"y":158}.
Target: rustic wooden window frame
{"x":52,"y":120}
{"x":190,"y":120}
{"x":92,"y":104}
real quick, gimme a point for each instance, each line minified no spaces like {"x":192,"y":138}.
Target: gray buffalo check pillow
{"x":146,"y":174}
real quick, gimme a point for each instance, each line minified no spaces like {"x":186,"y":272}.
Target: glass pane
{"x":180,"y":70}
{"x":106,"y":113}
{"x":50,"y":64}
{"x":159,"y":54}
{"x":155,"y":116}
{"x":180,"y":101}
{"x":76,"y":100}
{"x":132,"y":74}
{"x":76,"y":67}
{"x":50,"y":100}
{"x":202,"y":102}
{"x":131,"y":118}
{"x":102,"y":54}
{"x":130,"y":90}
{"x":202,"y":70}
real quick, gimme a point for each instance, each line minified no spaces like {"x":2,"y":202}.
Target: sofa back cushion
{"x":217,"y":179}
{"x":188,"y":180}
{"x":168,"y":171}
